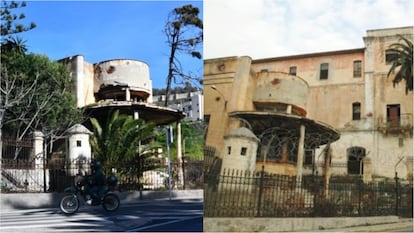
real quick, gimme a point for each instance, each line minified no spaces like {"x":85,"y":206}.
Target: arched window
{"x":355,"y":156}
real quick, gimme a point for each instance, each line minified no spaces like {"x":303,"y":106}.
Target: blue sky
{"x":104,"y":30}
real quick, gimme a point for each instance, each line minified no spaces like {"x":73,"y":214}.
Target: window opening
{"x":390,"y":56}
{"x":355,"y":160}
{"x":356,"y":111}
{"x":324,"y":71}
{"x":292,"y":70}
{"x":357,"y":69}
{"x":393,"y":115}
{"x":243,"y":151}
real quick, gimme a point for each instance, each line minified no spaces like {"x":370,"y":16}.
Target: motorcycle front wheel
{"x":110,"y":202}
{"x":69,"y":204}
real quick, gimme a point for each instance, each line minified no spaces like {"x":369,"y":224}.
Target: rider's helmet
{"x":96,"y":165}
{"x":111,"y":180}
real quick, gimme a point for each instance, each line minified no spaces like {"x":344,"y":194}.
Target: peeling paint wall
{"x":240,"y":82}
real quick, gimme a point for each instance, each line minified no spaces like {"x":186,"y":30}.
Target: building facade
{"x":347,"y":90}
{"x":191,"y":103}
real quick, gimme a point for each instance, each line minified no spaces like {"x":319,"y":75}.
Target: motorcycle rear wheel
{"x":111,"y":202}
{"x":69,"y":204}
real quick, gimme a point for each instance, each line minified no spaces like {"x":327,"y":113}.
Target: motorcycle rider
{"x":96,"y":182}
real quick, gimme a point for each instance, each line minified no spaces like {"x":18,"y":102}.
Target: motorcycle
{"x":70,"y":202}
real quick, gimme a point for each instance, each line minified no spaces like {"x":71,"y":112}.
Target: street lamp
{"x":224,"y":98}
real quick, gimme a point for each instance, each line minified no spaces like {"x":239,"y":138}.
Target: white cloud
{"x":272,"y":28}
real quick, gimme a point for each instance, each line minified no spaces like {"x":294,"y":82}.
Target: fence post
{"x":397,"y":195}
{"x":360,"y":189}
{"x":259,"y":202}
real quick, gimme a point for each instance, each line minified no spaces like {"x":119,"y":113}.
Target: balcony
{"x":396,"y":126}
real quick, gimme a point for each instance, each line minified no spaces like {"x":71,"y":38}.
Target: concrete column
{"x":367,"y":176}
{"x":127,"y":94}
{"x":301,"y":152}
{"x":79,"y":79}
{"x":289,"y":109}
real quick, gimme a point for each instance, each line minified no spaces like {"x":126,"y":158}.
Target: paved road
{"x":150,"y":215}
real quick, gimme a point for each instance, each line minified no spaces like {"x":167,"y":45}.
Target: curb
{"x":23,"y":201}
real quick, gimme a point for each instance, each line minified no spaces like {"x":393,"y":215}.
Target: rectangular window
{"x":400,"y":142}
{"x":308,"y":157}
{"x":229,"y":150}
{"x":243,"y":151}
{"x":390,"y":56}
{"x":393,"y":115}
{"x":324,"y":71}
{"x":292,"y":70}
{"x":356,"y":111}
{"x":357,"y":69}
{"x":78,"y":143}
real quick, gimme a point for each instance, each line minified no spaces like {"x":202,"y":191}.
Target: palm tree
{"x":402,"y":63}
{"x":124,"y":144}
{"x":14,"y":45}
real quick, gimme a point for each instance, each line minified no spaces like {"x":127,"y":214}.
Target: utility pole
{"x":169,"y":141}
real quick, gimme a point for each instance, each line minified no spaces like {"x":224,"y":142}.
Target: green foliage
{"x":11,"y":45}
{"x":124,"y":143}
{"x":402,"y":64}
{"x":10,"y":21}
{"x":36,"y":95}
{"x":192,"y":141}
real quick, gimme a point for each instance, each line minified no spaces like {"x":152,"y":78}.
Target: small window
{"x":356,"y":111}
{"x":78,"y":143}
{"x":390,"y":56}
{"x":243,"y":151}
{"x":308,"y":157}
{"x":400,"y":142}
{"x":357,"y":69}
{"x":229,"y":150}
{"x":324,"y":71}
{"x":292,"y":70}
{"x":393,"y":115}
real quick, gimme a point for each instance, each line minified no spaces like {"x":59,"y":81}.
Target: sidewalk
{"x":403,"y":225}
{"x":313,"y":224}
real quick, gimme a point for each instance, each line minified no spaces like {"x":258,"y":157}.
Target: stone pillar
{"x":39,"y":159}
{"x":38,"y":143}
{"x":301,"y":152}
{"x":367,"y":176}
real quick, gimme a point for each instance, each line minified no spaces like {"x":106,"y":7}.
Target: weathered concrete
{"x":51,"y":200}
{"x":291,"y":224}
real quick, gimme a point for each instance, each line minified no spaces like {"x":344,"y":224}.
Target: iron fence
{"x":57,"y":174}
{"x":243,"y":194}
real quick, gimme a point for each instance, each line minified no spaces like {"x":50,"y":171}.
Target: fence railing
{"x":57,"y":174}
{"x":242,"y":194}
